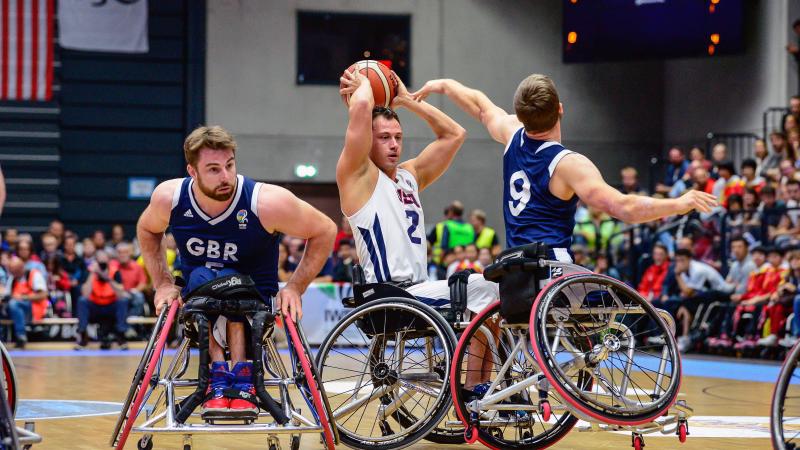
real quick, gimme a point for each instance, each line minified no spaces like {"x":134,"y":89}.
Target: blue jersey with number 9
{"x":531,"y":212}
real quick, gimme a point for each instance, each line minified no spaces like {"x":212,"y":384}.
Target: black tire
{"x":789,"y":373}
{"x":144,"y":446}
{"x":538,"y":433}
{"x":396,"y":324}
{"x":615,"y":320}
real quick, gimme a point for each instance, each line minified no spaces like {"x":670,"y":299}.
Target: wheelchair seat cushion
{"x":519,"y":273}
{"x":230,"y":287}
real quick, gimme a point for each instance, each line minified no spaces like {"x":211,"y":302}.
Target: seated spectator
{"x":741,"y":266}
{"x":630,"y":181}
{"x":698,"y":284}
{"x":760,"y":152}
{"x":56,"y":228}
{"x":345,"y":233}
{"x":750,"y":176}
{"x":28,"y":298}
{"x":345,"y":260}
{"x":785,"y":233}
{"x":788,"y":171}
{"x":760,"y":287}
{"x":100,"y":243}
{"x":485,"y":257}
{"x":727,"y":182}
{"x":102,"y":299}
{"x":73,"y":265}
{"x":10,"y":239}
{"x":133,"y":277}
{"x":788,"y":287}
{"x":771,"y":210}
{"x":776,"y":311}
{"x":698,"y":154}
{"x":779,"y":151}
{"x":49,"y":247}
{"x":31,"y":260}
{"x":457,"y":257}
{"x":58,"y":284}
{"x":88,"y":252}
{"x":719,"y":156}
{"x":325,"y":274}
{"x":117,"y":235}
{"x":602,"y":266}
{"x":468,"y":262}
{"x":675,"y":170}
{"x":599,"y":232}
{"x":654,"y":275}
{"x":687,"y":182}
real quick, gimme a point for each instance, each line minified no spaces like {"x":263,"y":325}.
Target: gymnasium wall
{"x":729,"y":93}
{"x":488,"y":45}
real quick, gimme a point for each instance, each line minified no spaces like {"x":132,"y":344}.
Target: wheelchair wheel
{"x":494,"y":356}
{"x":785,"y":410}
{"x":9,"y":379}
{"x":142,"y":378}
{"x":593,"y":325}
{"x":384,"y":366}
{"x":308,"y":381}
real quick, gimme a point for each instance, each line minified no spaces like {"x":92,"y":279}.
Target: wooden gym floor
{"x":730,"y":399}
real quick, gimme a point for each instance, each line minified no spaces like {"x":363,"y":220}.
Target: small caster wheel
{"x":145,"y":444}
{"x":294,"y":443}
{"x":470,"y":435}
{"x":187,"y":447}
{"x":638,"y":442}
{"x":683,"y":431}
{"x":545,"y":410}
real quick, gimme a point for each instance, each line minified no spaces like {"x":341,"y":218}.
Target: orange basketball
{"x":383,"y":82}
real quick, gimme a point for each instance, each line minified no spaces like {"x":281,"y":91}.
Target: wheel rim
{"x":392,"y":368}
{"x":785,"y":414}
{"x":596,"y":326}
{"x":515,"y":429}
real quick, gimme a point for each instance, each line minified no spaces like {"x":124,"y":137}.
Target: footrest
{"x":246,"y":418}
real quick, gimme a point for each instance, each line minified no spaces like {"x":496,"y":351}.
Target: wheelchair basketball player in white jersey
{"x":380,"y":194}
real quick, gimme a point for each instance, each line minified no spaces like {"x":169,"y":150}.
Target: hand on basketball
{"x":350,"y":81}
{"x":696,"y":200}
{"x":430,"y":87}
{"x":402,"y":93}
{"x":290,"y":303}
{"x":165,"y":296}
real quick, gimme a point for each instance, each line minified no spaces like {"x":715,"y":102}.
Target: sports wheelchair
{"x":167,"y":400}
{"x":385,"y":366}
{"x":525,"y":371}
{"x":11,"y":436}
{"x":785,"y":408}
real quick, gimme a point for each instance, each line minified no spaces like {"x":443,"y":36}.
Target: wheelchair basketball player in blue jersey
{"x":228,"y":224}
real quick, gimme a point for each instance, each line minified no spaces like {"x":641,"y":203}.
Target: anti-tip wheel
{"x":683,"y":431}
{"x":638,"y":443}
{"x":545,"y":410}
{"x":144,"y":444}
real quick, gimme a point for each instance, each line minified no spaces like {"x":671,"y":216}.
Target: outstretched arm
{"x":500,"y":124}
{"x":279,"y":210}
{"x":577,"y":174}
{"x":434,"y":159}
{"x":358,"y":139}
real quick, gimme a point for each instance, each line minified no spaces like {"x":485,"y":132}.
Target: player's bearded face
{"x":219,"y":191}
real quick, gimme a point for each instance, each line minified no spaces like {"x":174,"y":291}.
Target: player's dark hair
{"x":683,"y":252}
{"x":386,"y":113}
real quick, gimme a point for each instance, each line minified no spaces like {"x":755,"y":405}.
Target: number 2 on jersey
{"x":414,"y":216}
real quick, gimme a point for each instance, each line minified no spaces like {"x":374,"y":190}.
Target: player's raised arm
{"x":150,"y":231}
{"x":434,"y":159}
{"x":358,"y":139}
{"x":280,"y":210}
{"x":578,"y":174}
{"x":500,"y":124}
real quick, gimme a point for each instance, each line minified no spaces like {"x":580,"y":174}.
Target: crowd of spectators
{"x":94,"y":280}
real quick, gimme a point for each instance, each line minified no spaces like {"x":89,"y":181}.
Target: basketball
{"x":381,"y":78}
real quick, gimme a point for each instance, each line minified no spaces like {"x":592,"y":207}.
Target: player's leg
{"x":242,"y":369}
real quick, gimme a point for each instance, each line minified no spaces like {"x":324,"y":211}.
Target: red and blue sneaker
{"x":221,"y":379}
{"x":243,"y":382}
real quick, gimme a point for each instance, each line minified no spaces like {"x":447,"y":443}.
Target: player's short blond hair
{"x":536,"y":103}
{"x":213,"y":137}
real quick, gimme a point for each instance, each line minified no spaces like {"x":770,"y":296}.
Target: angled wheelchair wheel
{"x":308,"y":382}
{"x":9,"y":379}
{"x":492,"y":359}
{"x":142,"y":378}
{"x":384,"y":367}
{"x":593,"y":325}
{"x":9,"y":440}
{"x":785,"y":410}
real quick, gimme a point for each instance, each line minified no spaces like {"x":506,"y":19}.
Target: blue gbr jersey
{"x":531,"y":212}
{"x":234,"y":239}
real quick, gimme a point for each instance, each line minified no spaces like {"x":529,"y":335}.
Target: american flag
{"x":26,"y":49}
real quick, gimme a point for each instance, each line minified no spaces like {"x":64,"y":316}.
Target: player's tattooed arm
{"x":576,"y":173}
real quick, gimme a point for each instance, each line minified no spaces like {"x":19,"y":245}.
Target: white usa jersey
{"x":390,"y":231}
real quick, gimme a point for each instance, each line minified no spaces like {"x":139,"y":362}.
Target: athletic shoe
{"x":220,"y":380}
{"x":19,"y":342}
{"x":243,"y":382}
{"x":122,"y":343}
{"x":656,"y":340}
{"x":745,"y":344}
{"x":684,"y":343}
{"x":769,"y":341}
{"x":788,"y":341}
{"x":82,"y":341}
